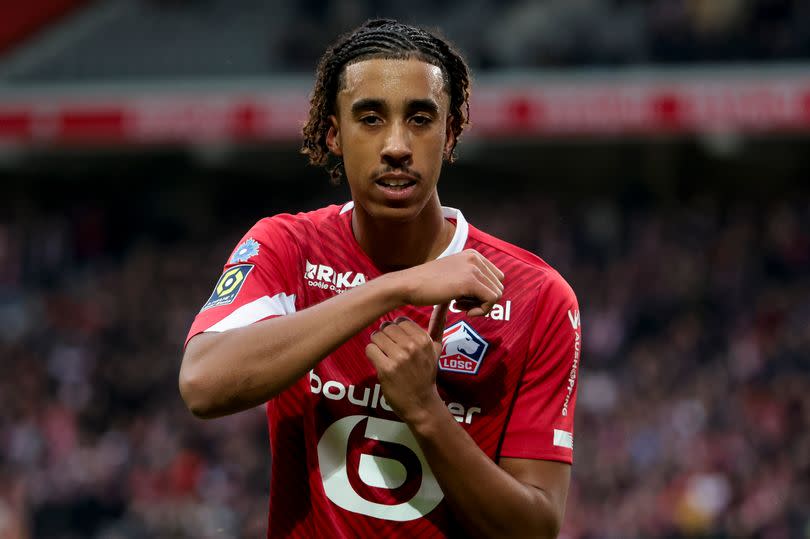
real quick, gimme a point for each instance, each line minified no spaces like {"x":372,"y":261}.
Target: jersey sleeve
{"x":257,"y":282}
{"x":541,"y":425}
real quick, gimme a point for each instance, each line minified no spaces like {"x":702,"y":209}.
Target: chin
{"x":396,"y":212}
{"x":402,"y":214}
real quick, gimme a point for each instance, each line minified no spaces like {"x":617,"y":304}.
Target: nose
{"x":396,"y":150}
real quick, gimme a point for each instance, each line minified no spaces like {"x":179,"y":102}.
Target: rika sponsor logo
{"x":321,"y":276}
{"x":462,"y":349}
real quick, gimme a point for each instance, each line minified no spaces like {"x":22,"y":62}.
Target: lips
{"x":395,"y":183}
{"x":396,"y":187}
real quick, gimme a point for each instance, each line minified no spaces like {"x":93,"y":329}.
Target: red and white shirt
{"x":342,"y":462}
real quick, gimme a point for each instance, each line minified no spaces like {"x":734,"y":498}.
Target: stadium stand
{"x":176,"y":39}
{"x":23,"y":19}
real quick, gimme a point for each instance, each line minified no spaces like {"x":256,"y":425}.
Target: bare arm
{"x":519,"y":498}
{"x":513,"y":498}
{"x":224,"y":373}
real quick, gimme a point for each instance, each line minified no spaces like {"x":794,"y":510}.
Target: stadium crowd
{"x":558,"y":33}
{"x":693,"y":417}
{"x":211,"y":39}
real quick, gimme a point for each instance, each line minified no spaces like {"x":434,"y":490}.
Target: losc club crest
{"x":462,"y":349}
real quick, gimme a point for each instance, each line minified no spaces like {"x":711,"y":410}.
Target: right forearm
{"x":244,"y":367}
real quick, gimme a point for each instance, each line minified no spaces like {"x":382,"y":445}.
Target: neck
{"x":396,"y":245}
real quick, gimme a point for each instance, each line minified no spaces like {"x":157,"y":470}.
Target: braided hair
{"x":388,"y":39}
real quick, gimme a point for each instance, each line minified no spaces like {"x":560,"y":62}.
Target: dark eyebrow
{"x":423,"y":105}
{"x":414,"y":105}
{"x":367,"y":104}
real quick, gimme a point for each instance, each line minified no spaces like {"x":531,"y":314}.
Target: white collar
{"x":459,"y":236}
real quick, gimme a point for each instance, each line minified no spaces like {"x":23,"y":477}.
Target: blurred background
{"x":656,"y":152}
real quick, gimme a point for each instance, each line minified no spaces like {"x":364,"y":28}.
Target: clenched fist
{"x":468,"y":277}
{"x":406,"y":359}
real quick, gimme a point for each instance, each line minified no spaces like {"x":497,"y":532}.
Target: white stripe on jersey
{"x":460,"y":236}
{"x":265,"y":306}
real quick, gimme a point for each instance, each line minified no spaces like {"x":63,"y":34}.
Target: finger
{"x":386,"y":343}
{"x":482,"y":272}
{"x":376,"y":356}
{"x":487,"y":273}
{"x":438,"y":319}
{"x":382,"y":340}
{"x":484,"y":262}
{"x":396,"y":333}
{"x":485,"y":295}
{"x":481,"y":275}
{"x":385,"y":324}
{"x":496,"y":271}
{"x":410,"y":327}
{"x":490,"y":272}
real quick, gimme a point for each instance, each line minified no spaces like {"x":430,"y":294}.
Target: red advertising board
{"x":741,"y":102}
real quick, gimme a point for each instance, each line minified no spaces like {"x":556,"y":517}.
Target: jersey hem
{"x":538,"y":456}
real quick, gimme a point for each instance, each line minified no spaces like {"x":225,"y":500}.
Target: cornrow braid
{"x":389,"y":39}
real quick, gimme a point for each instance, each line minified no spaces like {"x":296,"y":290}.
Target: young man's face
{"x":391,"y":131}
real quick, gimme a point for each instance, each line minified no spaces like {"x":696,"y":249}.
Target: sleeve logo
{"x":228,"y":286}
{"x":462,"y":349}
{"x":246,"y":250}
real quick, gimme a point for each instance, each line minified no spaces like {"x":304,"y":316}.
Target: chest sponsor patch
{"x":325,"y":277}
{"x":462,"y":349}
{"x":228,"y":286}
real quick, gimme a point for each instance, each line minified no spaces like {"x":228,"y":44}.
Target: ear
{"x":449,"y":139}
{"x":333,"y":136}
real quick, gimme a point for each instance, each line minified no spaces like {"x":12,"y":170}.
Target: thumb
{"x":437,"y":321}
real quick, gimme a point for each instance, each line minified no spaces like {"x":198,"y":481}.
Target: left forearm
{"x":488,"y":500}
{"x":515,"y":497}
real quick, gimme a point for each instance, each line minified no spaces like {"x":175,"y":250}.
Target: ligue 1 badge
{"x":246,"y":250}
{"x":228,"y":286}
{"x":462,"y":349}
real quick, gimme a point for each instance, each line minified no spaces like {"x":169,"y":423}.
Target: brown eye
{"x":421,"y":120}
{"x":371,"y":120}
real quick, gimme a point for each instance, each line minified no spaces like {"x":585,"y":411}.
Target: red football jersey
{"x":342,"y":461}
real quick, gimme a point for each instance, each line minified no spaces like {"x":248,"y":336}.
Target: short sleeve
{"x":256,"y":283}
{"x":541,"y":425}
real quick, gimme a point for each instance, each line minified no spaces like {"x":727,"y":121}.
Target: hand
{"x":406,"y":359}
{"x":468,"y":277}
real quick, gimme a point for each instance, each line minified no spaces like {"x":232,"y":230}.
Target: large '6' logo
{"x":376,"y":473}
